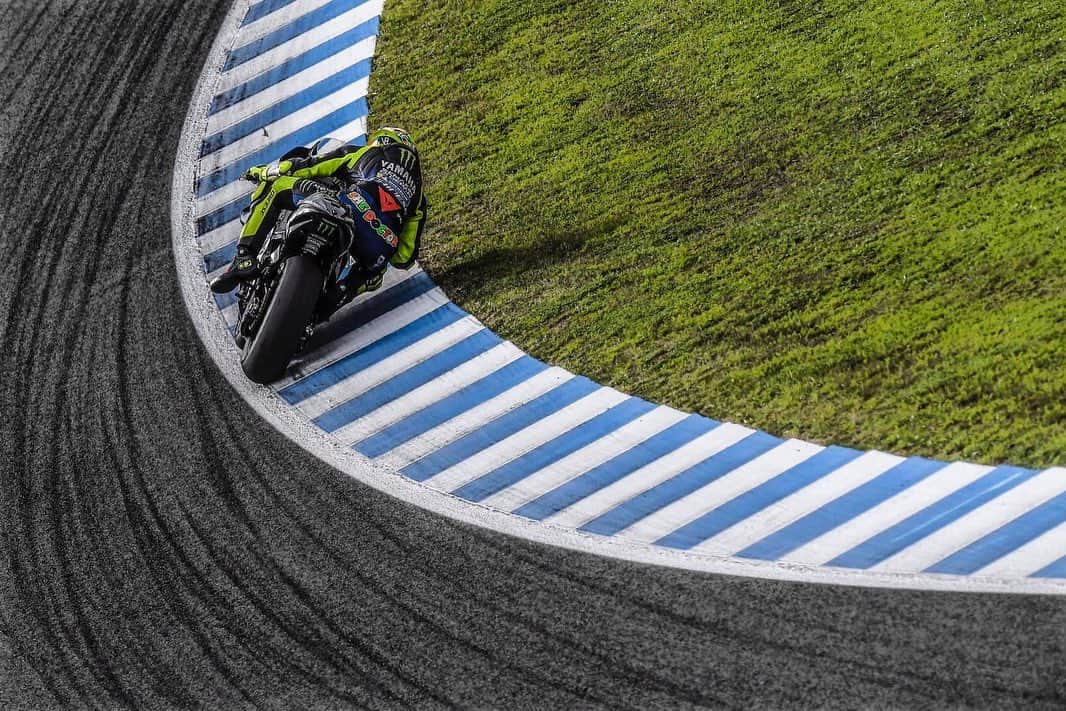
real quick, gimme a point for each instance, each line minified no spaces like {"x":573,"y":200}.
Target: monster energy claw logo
{"x":372,"y":219}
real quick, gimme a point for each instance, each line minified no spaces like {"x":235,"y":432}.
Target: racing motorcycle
{"x":301,"y":258}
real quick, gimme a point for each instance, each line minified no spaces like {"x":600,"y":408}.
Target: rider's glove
{"x":271,"y":171}
{"x":255,"y":174}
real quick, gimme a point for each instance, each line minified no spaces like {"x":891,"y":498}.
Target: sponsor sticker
{"x":387,"y":201}
{"x":398,"y":180}
{"x":371,"y":218}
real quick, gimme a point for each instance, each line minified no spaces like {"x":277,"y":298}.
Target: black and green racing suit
{"x":381,"y":183}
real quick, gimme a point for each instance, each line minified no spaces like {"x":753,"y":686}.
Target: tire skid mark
{"x":407,"y":610}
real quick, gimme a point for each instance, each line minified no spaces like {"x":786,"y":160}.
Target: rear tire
{"x":268,"y":354}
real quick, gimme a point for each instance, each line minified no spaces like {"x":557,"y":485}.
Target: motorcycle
{"x":303,"y":256}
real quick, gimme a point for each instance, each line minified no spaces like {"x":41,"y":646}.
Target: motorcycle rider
{"x":381,"y":183}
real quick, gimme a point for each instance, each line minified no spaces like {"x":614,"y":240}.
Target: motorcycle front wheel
{"x":267,"y":355}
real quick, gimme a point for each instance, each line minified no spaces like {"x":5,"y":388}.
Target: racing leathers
{"x":381,"y":183}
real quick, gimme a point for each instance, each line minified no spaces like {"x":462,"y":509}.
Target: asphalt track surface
{"x":163,"y":547}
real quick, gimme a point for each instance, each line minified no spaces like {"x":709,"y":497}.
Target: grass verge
{"x":841,"y":221}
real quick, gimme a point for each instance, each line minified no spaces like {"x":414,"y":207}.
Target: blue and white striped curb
{"x":414,"y":396}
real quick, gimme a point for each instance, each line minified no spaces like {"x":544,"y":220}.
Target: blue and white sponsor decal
{"x":398,"y":180}
{"x":409,"y":393}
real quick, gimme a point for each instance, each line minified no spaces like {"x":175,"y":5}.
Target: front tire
{"x":268,"y":354}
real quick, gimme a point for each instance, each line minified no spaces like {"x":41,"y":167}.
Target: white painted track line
{"x":277,"y":19}
{"x":648,"y":476}
{"x":739,"y":481}
{"x":602,"y":450}
{"x":1032,"y":557}
{"x":233,"y":152}
{"x":242,"y":73}
{"x":384,"y":371}
{"x":978,"y":523}
{"x":847,"y":478}
{"x":224,"y":235}
{"x":888,"y":513}
{"x":527,"y":439}
{"x":433,"y":391}
{"x":260,"y":101}
{"x":464,"y":424}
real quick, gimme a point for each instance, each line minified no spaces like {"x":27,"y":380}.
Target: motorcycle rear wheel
{"x":267,"y":355}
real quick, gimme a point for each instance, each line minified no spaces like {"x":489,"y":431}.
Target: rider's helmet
{"x":387,"y":135}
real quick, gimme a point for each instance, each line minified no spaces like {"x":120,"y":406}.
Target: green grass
{"x":841,"y":221}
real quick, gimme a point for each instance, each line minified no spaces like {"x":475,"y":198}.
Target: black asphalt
{"x":163,"y":547}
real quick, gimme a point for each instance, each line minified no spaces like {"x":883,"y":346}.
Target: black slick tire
{"x":267,"y":355}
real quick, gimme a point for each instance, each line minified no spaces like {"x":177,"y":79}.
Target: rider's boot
{"x":243,"y":268}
